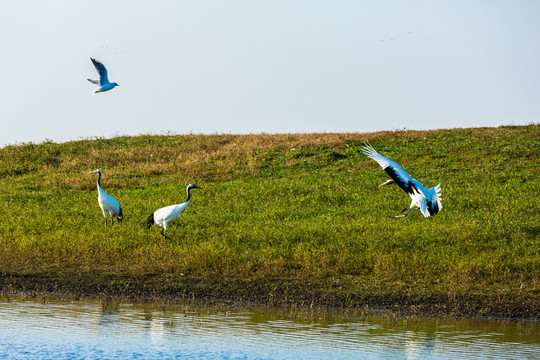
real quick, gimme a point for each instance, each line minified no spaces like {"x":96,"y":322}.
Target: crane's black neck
{"x":99,"y":179}
{"x":188,"y":194}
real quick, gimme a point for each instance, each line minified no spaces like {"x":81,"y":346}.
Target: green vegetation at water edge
{"x":289,"y":218}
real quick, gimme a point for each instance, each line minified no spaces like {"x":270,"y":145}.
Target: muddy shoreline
{"x":510,"y":307}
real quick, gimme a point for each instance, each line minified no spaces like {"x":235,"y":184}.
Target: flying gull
{"x":103,"y":82}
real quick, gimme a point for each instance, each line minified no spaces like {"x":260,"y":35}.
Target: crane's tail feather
{"x":120,"y":216}
{"x":439,"y":195}
{"x":150,"y":221}
{"x":420,"y":200}
{"x":438,"y":191}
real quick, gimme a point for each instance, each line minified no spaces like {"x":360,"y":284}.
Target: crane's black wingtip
{"x":150,"y":221}
{"x":120,"y":216}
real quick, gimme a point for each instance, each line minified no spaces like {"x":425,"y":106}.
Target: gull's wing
{"x":392,"y":168}
{"x":93,"y":81}
{"x":103,"y":79}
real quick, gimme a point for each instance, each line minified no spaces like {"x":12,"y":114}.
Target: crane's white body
{"x":428,"y":200}
{"x":168,"y":214}
{"x":107,"y":203}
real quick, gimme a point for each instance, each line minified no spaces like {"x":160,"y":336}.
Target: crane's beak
{"x":196,"y":187}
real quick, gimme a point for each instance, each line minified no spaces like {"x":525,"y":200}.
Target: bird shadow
{"x":532,"y":230}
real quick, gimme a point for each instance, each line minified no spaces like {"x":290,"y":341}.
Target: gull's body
{"x":103,"y":82}
{"x":428,"y":200}
{"x":166,"y":215}
{"x":107,"y":203}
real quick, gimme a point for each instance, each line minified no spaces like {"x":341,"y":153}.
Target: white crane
{"x":166,"y":215}
{"x":107,"y":203}
{"x":103,"y":82}
{"x":427,"y":200}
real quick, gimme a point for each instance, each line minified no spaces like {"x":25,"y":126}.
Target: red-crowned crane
{"x":103,"y":82}
{"x":166,"y":215}
{"x":427,"y":200}
{"x":107,"y":203}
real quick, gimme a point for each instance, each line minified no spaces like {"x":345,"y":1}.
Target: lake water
{"x":92,"y":330}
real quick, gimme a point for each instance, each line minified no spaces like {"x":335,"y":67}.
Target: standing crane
{"x":103,"y":82}
{"x":166,"y":215}
{"x":428,"y":201}
{"x":107,"y":203}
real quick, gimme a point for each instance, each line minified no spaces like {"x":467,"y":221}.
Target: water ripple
{"x":73,"y":330}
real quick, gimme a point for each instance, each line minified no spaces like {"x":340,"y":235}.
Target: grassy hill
{"x":282,"y":219}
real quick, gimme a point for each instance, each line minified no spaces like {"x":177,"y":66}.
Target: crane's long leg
{"x":105,"y":216}
{"x":387,"y":182}
{"x":165,"y":237}
{"x":401,"y":212}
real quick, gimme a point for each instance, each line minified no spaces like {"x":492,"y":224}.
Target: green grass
{"x":295,"y":217}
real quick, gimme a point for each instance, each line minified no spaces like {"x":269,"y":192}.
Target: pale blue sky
{"x":265,"y":66}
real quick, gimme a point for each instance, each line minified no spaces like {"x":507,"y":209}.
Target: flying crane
{"x":427,"y":200}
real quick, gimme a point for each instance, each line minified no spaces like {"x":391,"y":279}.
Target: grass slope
{"x":292,"y":218}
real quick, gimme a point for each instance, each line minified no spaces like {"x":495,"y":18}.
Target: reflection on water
{"x":89,"y":330}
